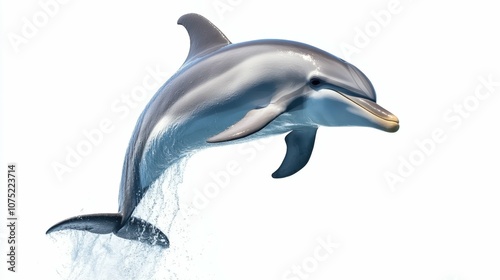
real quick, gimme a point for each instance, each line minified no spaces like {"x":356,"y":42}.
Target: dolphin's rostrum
{"x":225,"y":93}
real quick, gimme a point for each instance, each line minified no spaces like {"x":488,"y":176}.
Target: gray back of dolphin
{"x":202,"y":105}
{"x":207,"y":39}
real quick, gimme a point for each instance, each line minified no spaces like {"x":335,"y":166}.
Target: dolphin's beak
{"x":388,"y":121}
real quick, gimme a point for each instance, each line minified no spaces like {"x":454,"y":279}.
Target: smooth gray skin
{"x":228,"y":92}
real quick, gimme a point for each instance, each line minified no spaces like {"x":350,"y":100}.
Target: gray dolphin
{"x":226,"y":93}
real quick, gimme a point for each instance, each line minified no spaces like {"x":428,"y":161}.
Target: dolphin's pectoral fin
{"x":95,"y":223}
{"x":205,"y":37}
{"x":299,"y":146}
{"x":140,"y":230}
{"x":252,"y":122}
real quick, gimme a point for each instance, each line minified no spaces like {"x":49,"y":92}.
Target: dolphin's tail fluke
{"x":140,"y":230}
{"x":133,"y":229}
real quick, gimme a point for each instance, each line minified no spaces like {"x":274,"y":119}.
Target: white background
{"x":441,"y":222}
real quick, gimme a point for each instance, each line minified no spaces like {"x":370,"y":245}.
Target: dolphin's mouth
{"x":388,"y":121}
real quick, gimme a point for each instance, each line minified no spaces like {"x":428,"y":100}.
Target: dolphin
{"x":227,"y":93}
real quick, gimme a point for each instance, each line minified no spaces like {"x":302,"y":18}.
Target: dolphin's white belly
{"x":178,"y":140}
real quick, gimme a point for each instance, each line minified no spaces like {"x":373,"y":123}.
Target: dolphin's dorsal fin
{"x":205,"y":37}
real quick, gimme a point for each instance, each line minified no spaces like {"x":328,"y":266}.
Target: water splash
{"x":91,"y":256}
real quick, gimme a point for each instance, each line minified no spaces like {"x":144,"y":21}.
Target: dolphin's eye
{"x":315,"y":81}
